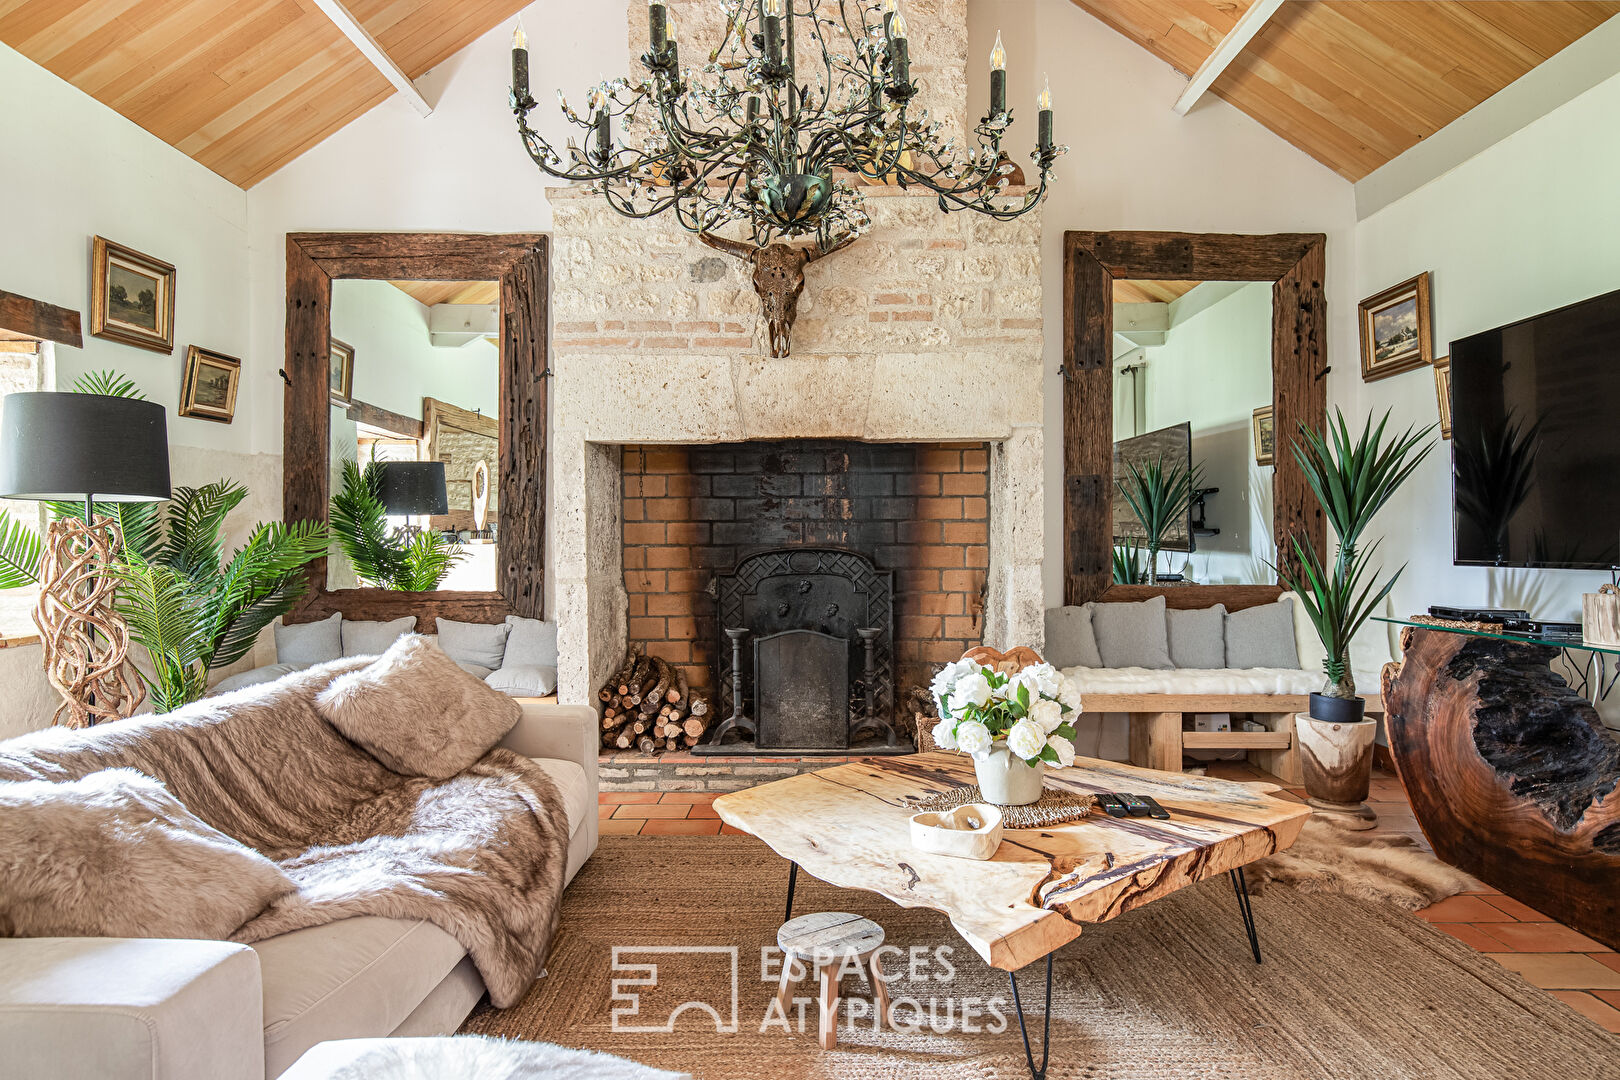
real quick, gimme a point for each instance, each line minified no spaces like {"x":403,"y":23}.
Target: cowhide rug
{"x":1386,"y":868}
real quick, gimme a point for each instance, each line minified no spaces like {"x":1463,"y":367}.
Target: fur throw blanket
{"x":481,"y":854}
{"x":1383,"y":868}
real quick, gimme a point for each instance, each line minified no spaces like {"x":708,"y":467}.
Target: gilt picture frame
{"x":1265,"y":436}
{"x":1396,"y":332}
{"x":340,"y":372}
{"x":1442,"y":393}
{"x":208,"y":387}
{"x":131,"y":297}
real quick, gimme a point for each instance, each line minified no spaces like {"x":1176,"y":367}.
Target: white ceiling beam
{"x":1243,"y":31}
{"x":1142,"y":324}
{"x":373,"y":52}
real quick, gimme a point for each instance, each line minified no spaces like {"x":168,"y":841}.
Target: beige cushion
{"x":354,"y":977}
{"x":114,"y":854}
{"x":570,"y":781}
{"x":417,"y":712}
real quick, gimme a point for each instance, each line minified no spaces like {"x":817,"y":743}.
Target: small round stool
{"x":825,"y":941}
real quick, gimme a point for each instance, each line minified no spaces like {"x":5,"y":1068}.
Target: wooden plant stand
{"x":1510,"y":772}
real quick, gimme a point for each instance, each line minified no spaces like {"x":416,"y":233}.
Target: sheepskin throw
{"x":115,"y":855}
{"x":1386,"y":869}
{"x":417,"y":711}
{"x":481,"y":854}
{"x":464,"y":1056}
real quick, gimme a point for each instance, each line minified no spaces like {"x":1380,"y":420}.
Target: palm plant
{"x":385,"y":558}
{"x":1352,"y":481}
{"x":20,"y":552}
{"x":1158,"y":494}
{"x":193,"y":614}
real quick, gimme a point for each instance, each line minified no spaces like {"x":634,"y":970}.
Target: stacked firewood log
{"x":647,"y":706}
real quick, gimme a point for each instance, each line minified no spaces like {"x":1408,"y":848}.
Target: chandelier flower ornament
{"x":757,"y":139}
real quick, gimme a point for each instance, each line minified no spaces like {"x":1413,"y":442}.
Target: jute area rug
{"x":1166,"y":992}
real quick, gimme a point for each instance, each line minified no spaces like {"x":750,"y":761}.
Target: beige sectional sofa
{"x":153,"y":1009}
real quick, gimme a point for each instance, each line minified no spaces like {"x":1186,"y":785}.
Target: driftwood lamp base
{"x":86,"y":643}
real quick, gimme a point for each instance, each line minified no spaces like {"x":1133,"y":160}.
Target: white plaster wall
{"x":1214,"y":370}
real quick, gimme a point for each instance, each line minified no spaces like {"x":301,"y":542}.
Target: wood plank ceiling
{"x":1353,"y":83}
{"x":242,"y":86}
{"x":431,"y":293}
{"x":1151,"y":292}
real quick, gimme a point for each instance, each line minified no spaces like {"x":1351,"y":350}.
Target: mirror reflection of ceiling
{"x":431,"y":293}
{"x":1151,"y":292}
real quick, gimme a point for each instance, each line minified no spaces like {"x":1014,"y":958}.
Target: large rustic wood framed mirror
{"x":502,"y":418}
{"x":1102,"y":269}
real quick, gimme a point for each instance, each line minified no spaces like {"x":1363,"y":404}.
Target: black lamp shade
{"x":65,"y":447}
{"x":414,"y":487}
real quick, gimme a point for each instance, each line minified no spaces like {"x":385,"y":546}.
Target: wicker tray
{"x":1052,"y":808}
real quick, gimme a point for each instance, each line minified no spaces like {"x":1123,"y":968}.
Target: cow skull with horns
{"x":778,"y":279}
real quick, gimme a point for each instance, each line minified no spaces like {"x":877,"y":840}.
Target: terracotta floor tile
{"x":1463,"y":908}
{"x":1522,"y":912}
{"x":1608,"y":959}
{"x":614,"y":798}
{"x":1539,"y":937}
{"x":622,"y":826}
{"x":1470,"y":935}
{"x":1560,"y":971}
{"x":680,"y":827}
{"x":703,"y":810}
{"x":1612,"y":997}
{"x":731,"y":830}
{"x":1604,"y":1015}
{"x":652,"y":810}
{"x":690,"y":796}
{"x":605,"y":810}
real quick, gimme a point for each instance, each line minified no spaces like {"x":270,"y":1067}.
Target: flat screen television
{"x":1171,"y":446}
{"x":1535,"y":445}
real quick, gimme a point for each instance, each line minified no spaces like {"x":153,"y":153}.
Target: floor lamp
{"x":414,"y":488}
{"x":63,"y":447}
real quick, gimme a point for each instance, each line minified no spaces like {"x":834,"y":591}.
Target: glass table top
{"x":1522,"y":639}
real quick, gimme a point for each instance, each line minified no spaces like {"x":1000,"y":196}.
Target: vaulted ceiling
{"x":1353,"y":83}
{"x":242,"y":86}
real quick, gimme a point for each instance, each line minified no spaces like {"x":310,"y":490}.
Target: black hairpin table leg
{"x":1035,"y":1073}
{"x":793,"y":881}
{"x":1241,"y":887}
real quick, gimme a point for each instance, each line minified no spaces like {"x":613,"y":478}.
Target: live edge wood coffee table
{"x":849,"y":826}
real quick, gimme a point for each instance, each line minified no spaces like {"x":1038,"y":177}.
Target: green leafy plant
{"x":1352,"y":480}
{"x":385,"y":558}
{"x":1128,"y":563}
{"x":1158,"y":494}
{"x":20,"y":552}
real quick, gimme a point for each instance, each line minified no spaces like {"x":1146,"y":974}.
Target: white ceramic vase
{"x":1005,"y":780}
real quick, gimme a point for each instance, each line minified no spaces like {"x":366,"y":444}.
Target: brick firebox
{"x":921,"y":510}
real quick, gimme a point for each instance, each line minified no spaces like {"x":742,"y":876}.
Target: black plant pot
{"x":1334,"y":710}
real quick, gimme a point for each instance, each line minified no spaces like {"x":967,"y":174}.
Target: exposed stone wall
{"x":939,"y":41}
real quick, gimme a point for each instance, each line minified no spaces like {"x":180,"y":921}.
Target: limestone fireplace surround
{"x":927,"y":330}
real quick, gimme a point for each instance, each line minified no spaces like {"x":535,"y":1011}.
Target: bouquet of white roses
{"x":1031,"y":709}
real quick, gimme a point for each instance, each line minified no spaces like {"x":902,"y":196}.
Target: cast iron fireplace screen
{"x":806,"y":654}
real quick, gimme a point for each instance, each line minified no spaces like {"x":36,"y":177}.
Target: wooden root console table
{"x":1510,"y":772}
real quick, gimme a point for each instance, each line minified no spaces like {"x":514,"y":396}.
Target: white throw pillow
{"x":374,"y":638}
{"x":524,"y":680}
{"x":530,"y":643}
{"x":306,"y":644}
{"x":483,"y":644}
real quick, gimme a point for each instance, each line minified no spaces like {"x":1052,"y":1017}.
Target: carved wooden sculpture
{"x":778,"y":279}
{"x":1510,"y":772}
{"x":86,"y":642}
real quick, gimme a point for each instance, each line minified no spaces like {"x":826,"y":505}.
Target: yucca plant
{"x":1158,"y":494}
{"x":193,"y":614}
{"x":1495,"y":471}
{"x":1352,"y":480}
{"x":1128,"y":563}
{"x":385,"y":558}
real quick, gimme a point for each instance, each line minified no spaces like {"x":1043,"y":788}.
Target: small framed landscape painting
{"x":1442,"y":393}
{"x":340,"y":372}
{"x":1265,"y":436}
{"x":208,"y":390}
{"x":1395,"y":334}
{"x":131,"y":297}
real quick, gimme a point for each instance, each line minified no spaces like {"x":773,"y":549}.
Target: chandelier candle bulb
{"x":657,"y":25}
{"x":604,"y":127}
{"x":1044,"y":125}
{"x":889,"y":9}
{"x":998,"y":78}
{"x":673,"y":41}
{"x":771,"y":11}
{"x":520,"y":64}
{"x":899,"y":50}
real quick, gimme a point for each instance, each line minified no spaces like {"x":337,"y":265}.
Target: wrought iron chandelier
{"x":749,"y":138}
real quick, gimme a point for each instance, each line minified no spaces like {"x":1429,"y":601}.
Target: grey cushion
{"x":1132,"y":635}
{"x":1262,"y":637}
{"x":483,"y":644}
{"x":524,"y":680}
{"x":531,"y":642}
{"x":268,"y":673}
{"x":1197,"y":637}
{"x":477,"y":671}
{"x":373,"y":638}
{"x":307,"y":644}
{"x":1070,"y":641}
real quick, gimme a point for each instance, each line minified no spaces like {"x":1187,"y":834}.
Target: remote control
{"x":1112,"y":803}
{"x":1154,"y":808}
{"x":1136,"y":805}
